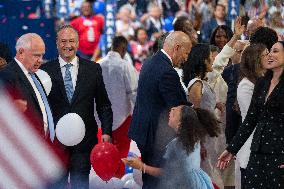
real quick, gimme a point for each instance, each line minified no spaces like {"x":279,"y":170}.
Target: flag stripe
{"x":9,"y":178}
{"x":26,"y":156}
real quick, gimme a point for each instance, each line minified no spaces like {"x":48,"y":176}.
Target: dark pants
{"x":80,"y":167}
{"x":243,"y":173}
{"x":152,"y":158}
{"x":79,"y":170}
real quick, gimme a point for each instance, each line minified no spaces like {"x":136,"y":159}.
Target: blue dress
{"x":182,"y":170}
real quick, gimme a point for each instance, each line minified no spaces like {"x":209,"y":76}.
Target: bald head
{"x":177,"y":45}
{"x":253,"y":25}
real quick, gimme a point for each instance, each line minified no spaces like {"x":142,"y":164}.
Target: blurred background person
{"x":140,"y":47}
{"x":121,"y":81}
{"x":90,"y":28}
{"x":218,"y":19}
{"x":5,"y":55}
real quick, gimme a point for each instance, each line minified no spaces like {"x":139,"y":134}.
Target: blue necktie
{"x":46,"y":105}
{"x":68,"y":82}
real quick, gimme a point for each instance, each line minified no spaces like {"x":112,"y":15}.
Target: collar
{"x":163,"y":51}
{"x":62,"y":62}
{"x":26,"y":72}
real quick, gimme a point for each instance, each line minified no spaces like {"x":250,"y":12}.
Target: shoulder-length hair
{"x":228,"y":31}
{"x":251,"y":62}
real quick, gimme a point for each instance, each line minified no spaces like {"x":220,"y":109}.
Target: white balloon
{"x":95,"y":182}
{"x":137,"y":176}
{"x":131,"y":184}
{"x":70,"y":129}
{"x":126,"y":177}
{"x":134,"y":149}
{"x":45,"y":80}
{"x":116,"y":183}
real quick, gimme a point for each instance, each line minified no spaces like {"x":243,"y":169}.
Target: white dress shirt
{"x":38,"y":96}
{"x":244,"y":95}
{"x":73,"y":69}
{"x":121,"y":81}
{"x":163,"y":51}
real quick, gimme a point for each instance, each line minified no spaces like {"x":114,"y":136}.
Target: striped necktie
{"x":68,"y":82}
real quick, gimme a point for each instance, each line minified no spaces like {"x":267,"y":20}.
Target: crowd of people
{"x":202,"y":102}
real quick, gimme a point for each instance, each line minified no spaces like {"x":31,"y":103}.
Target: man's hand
{"x":106,"y":138}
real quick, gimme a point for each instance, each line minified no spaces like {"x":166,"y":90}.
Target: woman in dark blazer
{"x":266,"y":114}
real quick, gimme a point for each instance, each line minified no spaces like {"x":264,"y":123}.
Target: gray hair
{"x":25,"y":41}
{"x":66,"y":26}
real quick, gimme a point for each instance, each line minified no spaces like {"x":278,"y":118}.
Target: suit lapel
{"x":59,"y":79}
{"x":80,"y":80}
{"x":276,"y":91}
{"x":26,"y":84}
{"x":161,"y":54}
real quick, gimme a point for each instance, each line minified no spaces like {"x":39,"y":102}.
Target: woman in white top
{"x":211,"y":94}
{"x":251,"y":69}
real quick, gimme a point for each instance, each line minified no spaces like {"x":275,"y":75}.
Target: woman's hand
{"x":133,"y":162}
{"x":239,"y":28}
{"x":224,"y":159}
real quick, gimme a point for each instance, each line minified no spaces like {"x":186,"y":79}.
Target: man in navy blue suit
{"x":159,"y":89}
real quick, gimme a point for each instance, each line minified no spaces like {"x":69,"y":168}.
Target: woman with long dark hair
{"x":266,"y":116}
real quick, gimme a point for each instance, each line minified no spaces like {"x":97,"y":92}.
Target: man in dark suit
{"x":159,"y":89}
{"x":19,"y":78}
{"x":76,"y":84}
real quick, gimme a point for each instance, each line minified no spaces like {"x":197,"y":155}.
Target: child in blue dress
{"x":182,"y":158}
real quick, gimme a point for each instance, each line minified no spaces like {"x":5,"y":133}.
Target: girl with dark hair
{"x":265,"y":114}
{"x":221,"y":36}
{"x":182,"y":157}
{"x":201,"y":95}
{"x":253,"y":57}
{"x":198,"y":64}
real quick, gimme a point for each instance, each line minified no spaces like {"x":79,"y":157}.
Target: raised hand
{"x":239,"y":28}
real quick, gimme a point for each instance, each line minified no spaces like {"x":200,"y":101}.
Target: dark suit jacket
{"x":159,"y":89}
{"x":19,"y":87}
{"x":89,"y":87}
{"x":233,"y":118}
{"x":267,"y":118}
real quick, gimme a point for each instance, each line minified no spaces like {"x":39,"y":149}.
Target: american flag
{"x":26,"y":160}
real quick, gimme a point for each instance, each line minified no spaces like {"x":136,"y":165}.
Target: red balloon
{"x":105,"y":159}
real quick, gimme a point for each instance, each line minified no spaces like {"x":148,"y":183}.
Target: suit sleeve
{"x":171,"y":89}
{"x":247,"y":126}
{"x":103,"y":104}
{"x":7,"y":82}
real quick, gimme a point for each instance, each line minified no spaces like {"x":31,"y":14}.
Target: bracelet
{"x":144,"y":168}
